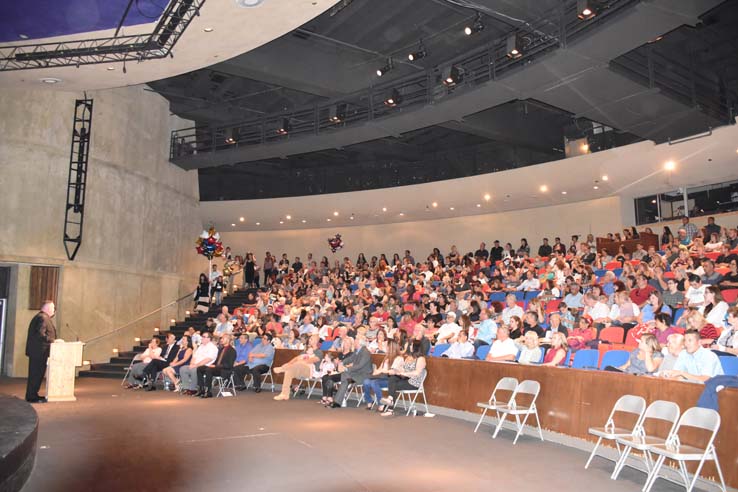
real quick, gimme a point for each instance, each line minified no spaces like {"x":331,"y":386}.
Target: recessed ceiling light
{"x":670,"y":165}
{"x":23,"y":36}
{"x":233,"y":225}
{"x":434,"y":204}
{"x":487,"y":197}
{"x":208,"y":29}
{"x":384,"y":209}
{"x":51,"y":80}
{"x":479,"y":205}
{"x":249,"y":3}
{"x":653,"y":201}
{"x":543,"y":188}
{"x":111,"y":68}
{"x":563,"y":193}
{"x":288,"y":217}
{"x":335,"y":214}
{"x":242,"y":219}
{"x":596,"y":187}
{"x":605,"y":177}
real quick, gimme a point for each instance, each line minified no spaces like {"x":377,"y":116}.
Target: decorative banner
{"x":209,"y":244}
{"x":335,"y":243}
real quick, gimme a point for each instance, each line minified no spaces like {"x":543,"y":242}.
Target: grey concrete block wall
{"x":141,"y":216}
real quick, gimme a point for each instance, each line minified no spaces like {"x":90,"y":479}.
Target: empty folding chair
{"x":614,"y":358}
{"x":225,"y":385}
{"x":504,"y":384}
{"x":527,"y":387}
{"x":412,"y":397}
{"x":632,"y":404}
{"x":641,"y":441}
{"x":696,"y":417}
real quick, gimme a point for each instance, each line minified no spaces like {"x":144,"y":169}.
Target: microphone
{"x":66,"y":325}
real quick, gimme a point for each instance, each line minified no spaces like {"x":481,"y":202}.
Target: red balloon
{"x":199,"y":250}
{"x":211,"y":240}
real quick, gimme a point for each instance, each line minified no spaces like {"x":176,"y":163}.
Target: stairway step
{"x":100,"y":374}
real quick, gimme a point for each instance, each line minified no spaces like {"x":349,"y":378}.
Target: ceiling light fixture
{"x":514,"y":46}
{"x":111,"y":68}
{"x":476,"y":26}
{"x":249,"y":3}
{"x":208,"y":29}
{"x":585,"y":9}
{"x":23,"y":36}
{"x":452,"y":76}
{"x":394,"y":99}
{"x":50,"y":80}
{"x":417,"y":55}
{"x":337,"y":113}
{"x":284,"y":128}
{"x":386,"y":68}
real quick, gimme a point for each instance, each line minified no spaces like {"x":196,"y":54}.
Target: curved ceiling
{"x":632,"y":171}
{"x":231,"y":31}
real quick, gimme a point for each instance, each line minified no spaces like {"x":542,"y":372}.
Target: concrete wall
{"x":594,"y":216}
{"x":141,"y":215}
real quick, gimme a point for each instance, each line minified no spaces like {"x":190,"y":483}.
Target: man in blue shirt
{"x":243,"y":347}
{"x":696,"y":363}
{"x":307,"y":327}
{"x":487,"y":331}
{"x":574,"y":298}
{"x":260,"y":360}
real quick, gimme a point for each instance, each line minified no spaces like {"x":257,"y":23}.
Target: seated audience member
{"x":728,"y":341}
{"x":293,"y":340}
{"x":672,"y":296}
{"x":222,"y":366}
{"x":674,"y":346}
{"x":181,"y":359}
{"x":243,"y":347}
{"x":662,"y":328}
{"x":374,"y":384}
{"x":139,"y":363}
{"x":448,"y":332}
{"x":695,"y":295}
{"x":409,"y":377}
{"x":205,"y":354}
{"x":224,"y":326}
{"x":574,"y":298}
{"x":259,"y":363}
{"x":695,"y":363}
{"x":646,"y":359}
{"x":379,"y":344}
{"x":530,"y":283}
{"x":341,"y":335}
{"x":515,"y":327}
{"x":531,"y":324}
{"x":163,"y":360}
{"x":300,"y":367}
{"x":596,"y":309}
{"x":580,"y":336}
{"x":640,"y":294}
{"x":462,"y":348}
{"x":357,"y":368}
{"x":710,"y":277}
{"x":511,"y":309}
{"x":503,"y":348}
{"x":556,"y":355}
{"x":624,"y":312}
{"x":708,"y":332}
{"x":654,"y":305}
{"x":715,"y":308}
{"x":487,"y":330}
{"x":709,"y":398}
{"x":419,"y":335}
{"x":530,"y":352}
{"x":730,"y":279}
{"x":555,"y":326}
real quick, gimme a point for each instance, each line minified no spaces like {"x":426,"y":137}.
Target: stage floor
{"x":123,"y":440}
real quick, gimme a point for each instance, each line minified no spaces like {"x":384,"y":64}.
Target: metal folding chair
{"x":267,"y":377}
{"x":310,"y":384}
{"x":224,"y":384}
{"x":527,"y":387}
{"x":701,"y":418}
{"x":128,"y":370}
{"x":504,"y":384}
{"x":412,"y":397}
{"x":632,"y":404}
{"x":640,"y":441}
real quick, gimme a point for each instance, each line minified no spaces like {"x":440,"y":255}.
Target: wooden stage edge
{"x":571,"y":401}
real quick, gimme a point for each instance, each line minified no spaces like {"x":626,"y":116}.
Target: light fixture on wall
{"x":241,"y":219}
{"x":434,"y":204}
{"x":487,"y":197}
{"x":605,"y":177}
{"x":288,"y":217}
{"x":669,"y":165}
{"x":543,"y":188}
{"x":585,"y":9}
{"x":514,"y":46}
{"x":386,"y":68}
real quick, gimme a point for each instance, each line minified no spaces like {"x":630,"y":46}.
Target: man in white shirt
{"x":595,"y":309}
{"x":204,"y":355}
{"x":695,"y":363}
{"x":141,"y":361}
{"x":461,"y":349}
{"x":448,"y":331}
{"x":574,"y":298}
{"x":214,"y":274}
{"x":695,"y":295}
{"x":503,"y":347}
{"x":224,"y":326}
{"x":511,"y":309}
{"x":530,"y":283}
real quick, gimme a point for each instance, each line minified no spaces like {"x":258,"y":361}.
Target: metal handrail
{"x":140,"y":318}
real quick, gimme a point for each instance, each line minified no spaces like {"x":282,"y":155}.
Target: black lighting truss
{"x":157,"y":44}
{"x":79,"y":154}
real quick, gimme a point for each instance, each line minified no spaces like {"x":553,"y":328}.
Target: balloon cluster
{"x":209,"y":244}
{"x":335,"y":243}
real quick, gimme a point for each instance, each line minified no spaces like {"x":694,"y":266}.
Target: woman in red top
{"x":556,"y":355}
{"x":579,"y":336}
{"x":708,"y":332}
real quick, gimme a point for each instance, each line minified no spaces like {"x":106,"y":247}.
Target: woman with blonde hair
{"x":556,"y":355}
{"x":646,"y":359}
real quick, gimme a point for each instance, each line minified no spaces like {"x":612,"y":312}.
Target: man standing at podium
{"x":41,"y":334}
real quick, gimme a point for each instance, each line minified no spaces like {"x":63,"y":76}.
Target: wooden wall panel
{"x":43,"y":286}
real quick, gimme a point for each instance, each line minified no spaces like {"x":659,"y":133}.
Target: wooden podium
{"x":64,"y":357}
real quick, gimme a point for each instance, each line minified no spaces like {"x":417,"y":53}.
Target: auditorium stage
{"x":122,"y":440}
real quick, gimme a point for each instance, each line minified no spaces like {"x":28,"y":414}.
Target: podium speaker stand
{"x":64,"y":357}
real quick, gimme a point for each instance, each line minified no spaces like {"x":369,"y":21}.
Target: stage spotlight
{"x":585,"y":9}
{"x":284,"y":128}
{"x":417,"y":55}
{"x":452,"y":75}
{"x":476,"y":26}
{"x":389,"y":66}
{"x":394,"y":98}
{"x":337,"y":113}
{"x":514,"y":46}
